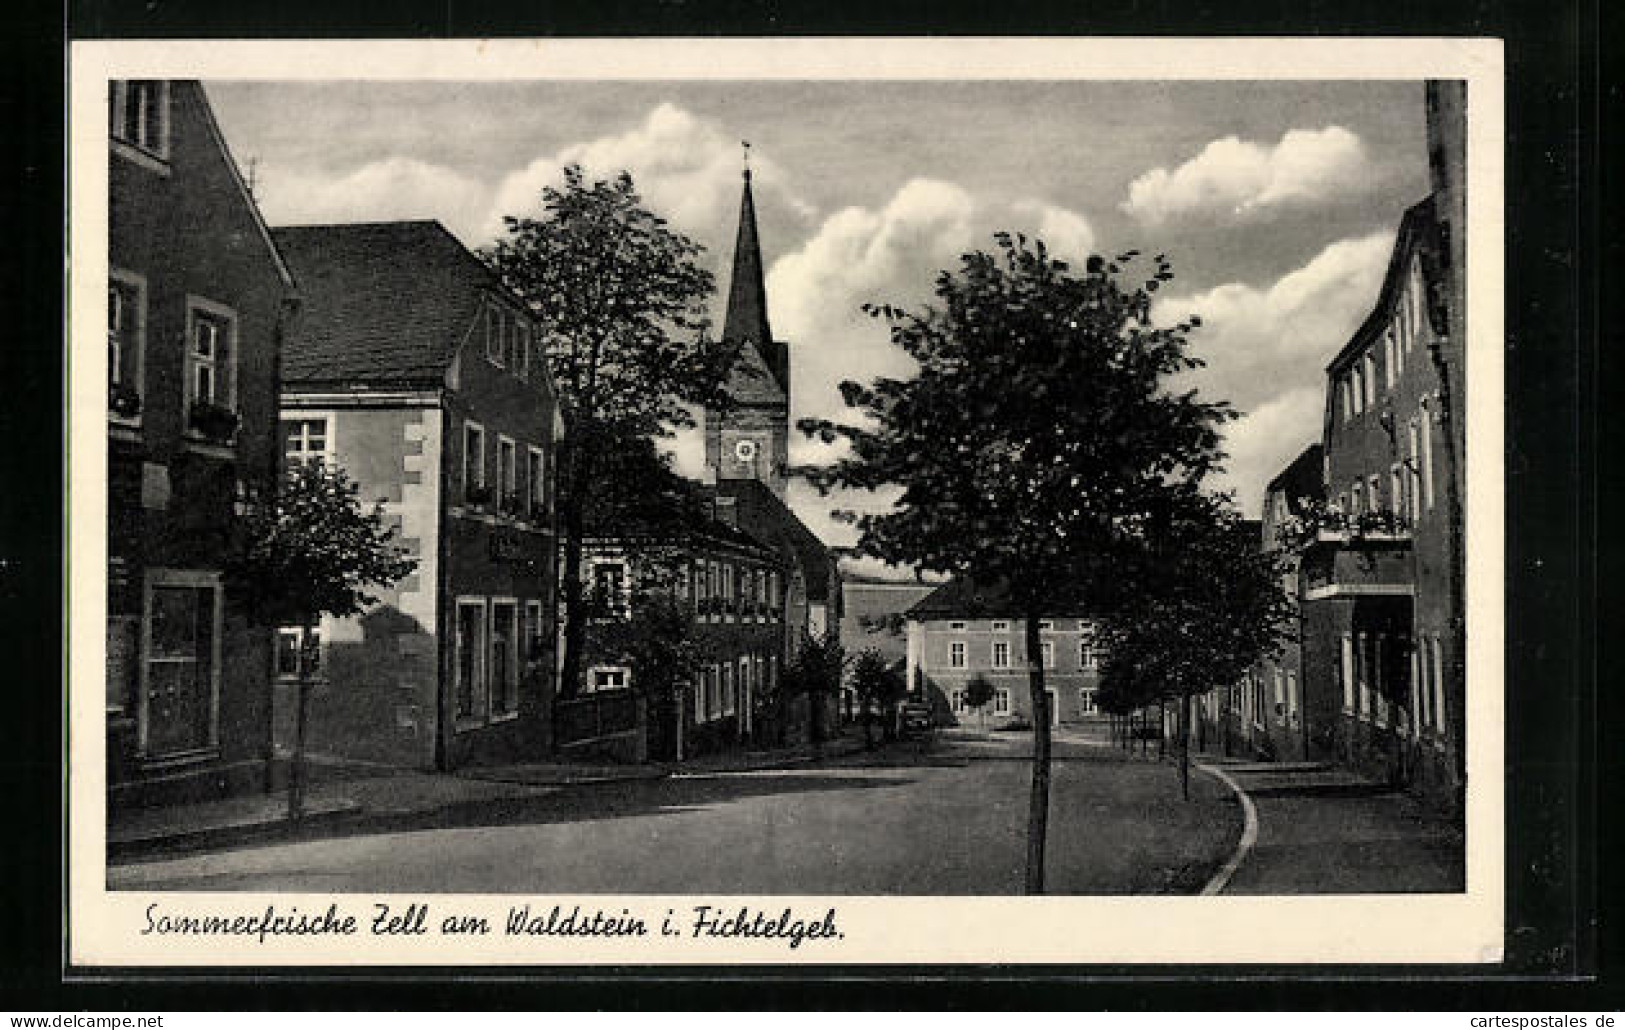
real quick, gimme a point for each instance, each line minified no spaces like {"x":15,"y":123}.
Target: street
{"x":944,"y":821}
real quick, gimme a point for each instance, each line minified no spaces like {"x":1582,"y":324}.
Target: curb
{"x":1249,"y":831}
{"x":230,"y":834}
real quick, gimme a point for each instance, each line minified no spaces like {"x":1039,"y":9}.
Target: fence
{"x":594,"y":716}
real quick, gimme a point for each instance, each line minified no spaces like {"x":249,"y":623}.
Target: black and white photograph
{"x":715,"y":506}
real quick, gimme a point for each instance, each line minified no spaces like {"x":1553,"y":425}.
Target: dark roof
{"x":1417,"y":233}
{"x":751,"y":382}
{"x":1303,"y":476}
{"x":964,"y":598}
{"x":385,"y":303}
{"x":746,"y":319}
{"x":760,"y":513}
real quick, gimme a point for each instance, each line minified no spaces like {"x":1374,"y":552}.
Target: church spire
{"x":747,"y":293}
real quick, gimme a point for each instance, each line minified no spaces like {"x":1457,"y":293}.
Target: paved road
{"x":949,"y":822}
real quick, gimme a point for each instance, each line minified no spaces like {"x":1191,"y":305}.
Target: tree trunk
{"x":296,"y":773}
{"x":1038,"y":806}
{"x":1185,"y":746}
{"x":1162,"y":730}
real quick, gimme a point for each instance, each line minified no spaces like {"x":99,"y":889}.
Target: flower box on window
{"x":478,"y":493}
{"x":213,"y":422}
{"x":123,"y":400}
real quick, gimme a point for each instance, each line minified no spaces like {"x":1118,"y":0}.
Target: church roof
{"x":751,"y":382}
{"x":747,"y":292}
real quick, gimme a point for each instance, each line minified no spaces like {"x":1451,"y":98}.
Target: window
{"x":744,"y":686}
{"x":126,"y":339}
{"x":957,"y":701}
{"x":1438,"y":687}
{"x":1346,"y":393}
{"x":1374,"y":498}
{"x":956,"y":655}
{"x":727,"y":689}
{"x":1413,"y":474}
{"x":1001,"y":654}
{"x":1396,"y":491}
{"x":609,"y":587}
{"x":1046,"y":625}
{"x":1370,"y":377}
{"x":535,"y":632}
{"x":298,"y":652}
{"x":210,"y":354}
{"x":1088,"y":655}
{"x":1292,"y":693}
{"x":1348,"y":673}
{"x":1362,"y":672}
{"x":1356,"y":499}
{"x":608,"y":677}
{"x":522,"y":348}
{"x":1001,"y":626}
{"x":1388,"y":360}
{"x":1357,"y":385}
{"x":474,"y":462}
{"x":1427,"y":458}
{"x":1001,"y":702}
{"x":1086,"y":701}
{"x":494,"y":337}
{"x":958,"y":627}
{"x":140,"y":115}
{"x":536,"y":480}
{"x":180,"y":672}
{"x":507,"y":475}
{"x":304,"y":439}
{"x":504,"y":658}
{"x":1048,"y":653}
{"x":469,"y":659}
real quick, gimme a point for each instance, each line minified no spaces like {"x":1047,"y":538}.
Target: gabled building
{"x":733,"y":591}
{"x":962,"y":630}
{"x":1275,"y":713}
{"x":197,"y":302}
{"x":747,"y":446}
{"x":1381,"y":565}
{"x":419,"y":374}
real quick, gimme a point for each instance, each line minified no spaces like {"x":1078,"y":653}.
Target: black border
{"x":1553,"y":720}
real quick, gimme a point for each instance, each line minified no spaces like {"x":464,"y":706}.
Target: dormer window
{"x":139,"y":115}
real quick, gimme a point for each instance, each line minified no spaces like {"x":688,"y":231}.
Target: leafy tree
{"x":1032,"y":442}
{"x":878,"y":686}
{"x":623,"y":298}
{"x":978,"y":694}
{"x":1208,"y":605}
{"x":307,"y":551}
{"x":815,"y":672}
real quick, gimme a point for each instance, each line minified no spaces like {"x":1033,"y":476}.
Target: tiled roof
{"x":761,"y":513}
{"x":385,"y":303}
{"x":750,"y":381}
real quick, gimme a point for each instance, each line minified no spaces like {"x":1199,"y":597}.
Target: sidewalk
{"x":1324,"y":830}
{"x":343,"y":793}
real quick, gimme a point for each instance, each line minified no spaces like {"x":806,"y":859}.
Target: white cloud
{"x":1267,"y":350}
{"x":395,"y":188}
{"x":686,"y":167}
{"x":1240,"y":178}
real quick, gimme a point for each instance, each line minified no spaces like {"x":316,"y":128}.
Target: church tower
{"x":752,"y":439}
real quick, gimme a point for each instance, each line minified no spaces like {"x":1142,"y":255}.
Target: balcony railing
{"x":1328,"y":524}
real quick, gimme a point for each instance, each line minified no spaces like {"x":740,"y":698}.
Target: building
{"x":872,"y":619}
{"x":962,"y":630}
{"x":731,"y":589}
{"x":197,"y":301}
{"x":1380,"y":565}
{"x":420,"y":375}
{"x":747,"y":445}
{"x":1274,"y":714}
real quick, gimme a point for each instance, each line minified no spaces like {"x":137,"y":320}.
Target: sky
{"x":1277,"y":203}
